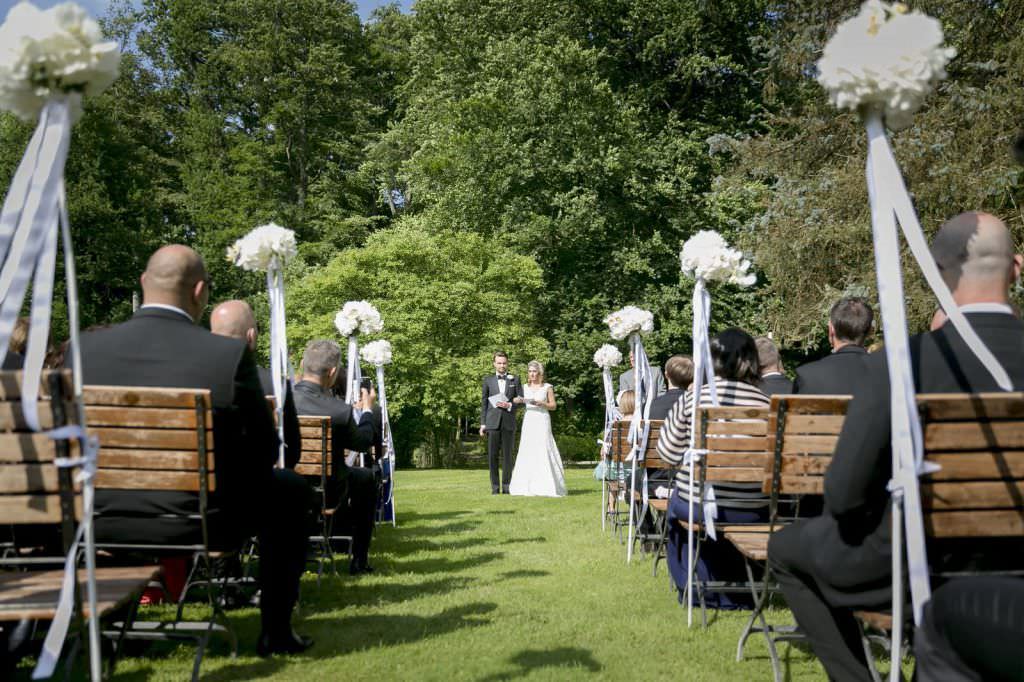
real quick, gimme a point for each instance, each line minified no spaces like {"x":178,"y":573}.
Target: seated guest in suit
{"x":851,"y":564}
{"x":973,"y":630}
{"x":162,"y":346}
{"x":773,"y":381}
{"x":235,"y":319}
{"x":736,"y":374}
{"x":351,"y":428}
{"x":679,"y":372}
{"x":627,"y":380}
{"x":848,"y":327}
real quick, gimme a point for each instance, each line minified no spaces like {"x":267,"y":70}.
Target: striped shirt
{"x":674,"y":441}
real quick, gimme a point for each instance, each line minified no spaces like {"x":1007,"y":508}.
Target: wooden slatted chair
{"x":803,"y":431}
{"x":35,"y":491}
{"x":315,"y":465}
{"x":656,"y":508}
{"x":615,"y":466}
{"x":161,"y":439}
{"x":736,"y":443}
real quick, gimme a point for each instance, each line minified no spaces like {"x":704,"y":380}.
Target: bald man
{"x":850,"y":565}
{"x":163,"y":346}
{"x":236,"y":319}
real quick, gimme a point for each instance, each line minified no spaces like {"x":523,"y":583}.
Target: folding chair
{"x":36,"y":492}
{"x":315,"y":465}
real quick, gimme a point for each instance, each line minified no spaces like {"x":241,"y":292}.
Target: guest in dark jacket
{"x":850,"y":565}
{"x":235,"y":319}
{"x":773,"y":380}
{"x":161,"y":346}
{"x":351,"y":429}
{"x":849,"y":325}
{"x":679,"y":372}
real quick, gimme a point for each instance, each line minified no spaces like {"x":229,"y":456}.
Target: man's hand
{"x":505,"y":405}
{"x":366,"y":400}
{"x":483,"y":429}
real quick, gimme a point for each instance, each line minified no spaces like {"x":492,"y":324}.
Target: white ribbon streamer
{"x":389,"y":443}
{"x":280,"y":367}
{"x":605,"y":443}
{"x":703,"y":370}
{"x":55,"y":637}
{"x":353,"y":372}
{"x":639,"y":429}
{"x":710,"y":511}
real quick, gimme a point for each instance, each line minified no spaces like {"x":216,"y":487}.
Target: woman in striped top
{"x":736,"y":372}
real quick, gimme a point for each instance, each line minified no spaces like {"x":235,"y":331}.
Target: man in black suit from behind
{"x":679,"y":372}
{"x":849,"y":324}
{"x":773,"y":381}
{"x":235,"y":319}
{"x":850,"y":565}
{"x":498,"y":421}
{"x":162,"y":346}
{"x":351,"y":428}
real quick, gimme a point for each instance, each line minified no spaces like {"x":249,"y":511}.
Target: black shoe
{"x":494,"y":492}
{"x":289,"y":643}
{"x":504,"y":491}
{"x":359,"y":567}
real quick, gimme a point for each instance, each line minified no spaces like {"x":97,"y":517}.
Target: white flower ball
{"x":629,"y":320}
{"x":887,"y":56}
{"x":358,"y":316}
{"x":45,"y":54}
{"x":706,"y":255}
{"x":264,"y":247}
{"x":377,"y":353}
{"x":607,"y":356}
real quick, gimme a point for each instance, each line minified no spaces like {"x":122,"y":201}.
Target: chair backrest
{"x":33,"y":490}
{"x":651,"y":458}
{"x":152,"y":438}
{"x":978,"y":441}
{"x":315,"y":456}
{"x":736,"y":440}
{"x":804,"y":432}
{"x":620,"y":440}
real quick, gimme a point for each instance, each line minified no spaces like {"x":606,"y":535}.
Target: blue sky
{"x":99,"y":7}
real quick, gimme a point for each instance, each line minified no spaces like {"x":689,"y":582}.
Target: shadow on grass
{"x":519,"y":541}
{"x":403,"y":546}
{"x":391,"y":593}
{"x":503,"y":512}
{"x":528,"y":660}
{"x":509,"y":575}
{"x":441,"y":565}
{"x":416,"y":516}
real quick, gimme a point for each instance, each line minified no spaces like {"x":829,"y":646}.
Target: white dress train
{"x":538,"y":470}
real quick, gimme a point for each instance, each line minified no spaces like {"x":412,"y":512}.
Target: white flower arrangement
{"x":49,"y":53}
{"x":607,"y":356}
{"x":886,"y":55}
{"x":358,"y":316}
{"x":706,"y":255}
{"x":377,"y":353}
{"x":629,"y":320}
{"x":263,"y":246}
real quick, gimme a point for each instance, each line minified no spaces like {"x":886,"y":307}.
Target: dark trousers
{"x":832,"y":632}
{"x":718,"y":561}
{"x":284,"y":525}
{"x":362,"y":499}
{"x":500,"y":442}
{"x":973,"y":630}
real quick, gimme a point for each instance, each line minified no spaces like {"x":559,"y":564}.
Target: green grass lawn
{"x":472,"y":586}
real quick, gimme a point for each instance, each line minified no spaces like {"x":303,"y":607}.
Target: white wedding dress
{"x":538,"y":470}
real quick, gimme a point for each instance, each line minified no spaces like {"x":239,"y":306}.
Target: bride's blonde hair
{"x":534,"y":364}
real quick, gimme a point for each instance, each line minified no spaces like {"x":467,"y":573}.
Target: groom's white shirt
{"x":501,"y":383}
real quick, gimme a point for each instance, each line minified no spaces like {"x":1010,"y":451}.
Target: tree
{"x":449,"y":300}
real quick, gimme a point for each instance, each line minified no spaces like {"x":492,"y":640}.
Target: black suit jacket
{"x":292,"y":434}
{"x":776,"y":384}
{"x":312,"y":400}
{"x":492,"y":418}
{"x":852,"y":555}
{"x":163,"y":348}
{"x":835,"y":374}
{"x":664,"y":403}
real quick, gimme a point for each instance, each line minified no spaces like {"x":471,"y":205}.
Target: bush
{"x":577,"y":448}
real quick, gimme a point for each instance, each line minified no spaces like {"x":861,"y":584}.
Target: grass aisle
{"x":479,"y":587}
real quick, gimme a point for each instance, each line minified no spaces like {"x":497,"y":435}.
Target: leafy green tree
{"x":449,"y":300}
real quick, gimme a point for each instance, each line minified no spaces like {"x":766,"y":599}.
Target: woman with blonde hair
{"x":538,"y":469}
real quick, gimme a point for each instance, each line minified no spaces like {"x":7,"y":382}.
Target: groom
{"x":498,"y":420}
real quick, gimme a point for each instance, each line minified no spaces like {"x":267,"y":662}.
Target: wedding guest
{"x":849,"y":324}
{"x":679,"y":373}
{"x":627,"y":380}
{"x":850,"y":567}
{"x":162,"y":346}
{"x":734,"y":354}
{"x":236,"y":319}
{"x":19,"y":335}
{"x":973,"y":630}
{"x":351,"y":428}
{"x":627,"y":404}
{"x":773,"y":381}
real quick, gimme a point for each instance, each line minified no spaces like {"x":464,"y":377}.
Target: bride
{"x":538,"y":469}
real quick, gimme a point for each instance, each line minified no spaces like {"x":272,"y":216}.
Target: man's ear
{"x":197,"y":291}
{"x":831,"y":333}
{"x":250,"y":339}
{"x":1018,"y":263}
